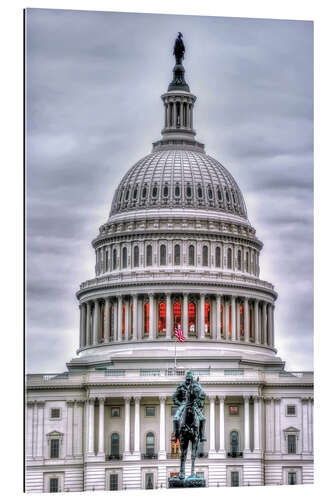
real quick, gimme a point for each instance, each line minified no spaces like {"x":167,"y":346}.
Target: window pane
{"x":124,"y":257}
{"x":149,"y":482}
{"x":115,"y":444}
{"x":162,"y":255}
{"x":191,"y":255}
{"x":136,"y":256}
{"x":207,"y":317}
{"x":149,"y":255}
{"x":229,"y":258}
{"x":55,"y":412}
{"x":217,"y":257}
{"x":192,"y":317}
{"x":161,"y":317}
{"x":234,"y":478}
{"x":54,"y":485}
{"x":177,"y":314}
{"x":177,"y":255}
{"x":114,"y":259}
{"x":205,"y":256}
{"x":150,"y":444}
{"x":113,"y":482}
{"x":291,"y":410}
{"x":150,"y":412}
{"x":291,"y":443}
{"x":292,"y":478}
{"x":54,"y":448}
{"x":146,"y":318}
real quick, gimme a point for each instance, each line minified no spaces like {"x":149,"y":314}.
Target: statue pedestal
{"x":188,"y":482}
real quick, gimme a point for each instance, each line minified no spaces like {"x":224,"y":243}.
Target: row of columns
{"x":185,"y":115}
{"x":132,"y":322}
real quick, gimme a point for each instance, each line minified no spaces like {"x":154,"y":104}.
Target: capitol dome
{"x":183,"y":177}
{"x":176,"y":252}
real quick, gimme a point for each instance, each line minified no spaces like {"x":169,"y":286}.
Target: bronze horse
{"x":189,"y":431}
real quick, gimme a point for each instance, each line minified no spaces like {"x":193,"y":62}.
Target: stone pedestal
{"x":188,"y":482}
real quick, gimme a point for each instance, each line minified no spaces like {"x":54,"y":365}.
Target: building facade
{"x":177,"y":250}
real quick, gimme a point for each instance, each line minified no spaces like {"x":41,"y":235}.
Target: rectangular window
{"x":234,"y":478}
{"x":291,"y":410}
{"x":54,"y":485}
{"x":149,"y":481}
{"x":115,"y":411}
{"x":55,"y":412}
{"x":150,"y":411}
{"x":174,"y":410}
{"x":113,"y":482}
{"x":54,"y":449}
{"x":292,"y":479}
{"x":291,"y":443}
{"x":233,"y":410}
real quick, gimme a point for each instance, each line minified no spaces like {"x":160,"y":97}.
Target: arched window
{"x":239,"y":260}
{"x":165,"y":191}
{"x":200,"y":192}
{"x":161,"y":317}
{"x":205,"y":256}
{"x":115,"y":448}
{"x":136,"y":256}
{"x":229,"y":258}
{"x":123,"y":322}
{"x":146,"y":318}
{"x":234,"y":443}
{"x":144,"y":193}
{"x":191,"y":255}
{"x":177,"y":255}
{"x":192,"y":318}
{"x":150,"y":444}
{"x":154,"y":192}
{"x":106,"y":266}
{"x":177,"y":315}
{"x":217,"y":257}
{"x":114,"y":259}
{"x":247,"y":262}
{"x":149,"y":255}
{"x":177,"y":191}
{"x":124,"y":258}
{"x":207,"y":317}
{"x":162,"y":255}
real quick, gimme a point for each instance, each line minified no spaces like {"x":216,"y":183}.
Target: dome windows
{"x":149,"y":255}
{"x":188,"y":191}
{"x":210,"y":193}
{"x":217,"y":257}
{"x":154,"y":192}
{"x":162,"y":255}
{"x":200,"y":193}
{"x":239,"y":260}
{"x":114,"y":259}
{"x":136,"y":256}
{"x":219,"y":194}
{"x":205,"y":255}
{"x":229,"y":258}
{"x":144,"y":192}
{"x":177,"y":255}
{"x":124,"y":258}
{"x":191,"y":255}
{"x":165,"y":191}
{"x":177,"y":190}
{"x":135,"y":192}
{"x":127,"y":193}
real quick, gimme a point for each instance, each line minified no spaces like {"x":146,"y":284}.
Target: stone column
{"x":218,"y":317}
{"x":95,"y":328}
{"x":273,"y":336}
{"x":91,"y":427}
{"x":135,"y":316}
{"x":227,"y":312}
{"x":127,"y":326}
{"x":185,"y":314}
{"x":174,"y":118}
{"x":225,"y":331}
{"x":246,"y":320}
{"x":120,"y":319}
{"x":305,"y":426}
{"x":101,"y":427}
{"x":29,"y":429}
{"x":264,"y":322}
{"x":81,"y":325}
{"x":233,"y":318}
{"x":34,"y":429}
{"x":69,"y":429}
{"x":127,"y":428}
{"x":256,"y":426}
{"x":88,"y":324}
{"x":151,"y":316}
{"x":107,"y":330}
{"x":246,"y":424}
{"x":202,"y":315}
{"x":222,"y":437}
{"x":115,"y":319}
{"x":181,"y":111}
{"x":277,"y":425}
{"x":40,"y":429}
{"x":78,"y":429}
{"x":269,"y":323}
{"x":162,"y":451}
{"x":168,"y":316}
{"x":137,"y":427}
{"x":310,"y":408}
{"x":256,"y":321}
{"x":269,"y":425}
{"x":237,"y":320}
{"x":212,"y":450}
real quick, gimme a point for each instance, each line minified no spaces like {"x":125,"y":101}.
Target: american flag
{"x":179,"y":334}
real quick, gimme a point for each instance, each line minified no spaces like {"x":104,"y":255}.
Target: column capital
{"x":40,"y":404}
{"x":101,"y":399}
{"x":107,"y":299}
{"x":151,"y":294}
{"x":268,"y":399}
{"x":127,"y":399}
{"x":276,"y":399}
{"x":211,"y":397}
{"x":70,"y":402}
{"x":91,"y":401}
{"x":305,"y":399}
{"x":246,"y":398}
{"x":162,"y":398}
{"x":221,"y":398}
{"x":137,"y":398}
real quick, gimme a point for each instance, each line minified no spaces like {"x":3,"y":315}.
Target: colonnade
{"x":154,"y":316}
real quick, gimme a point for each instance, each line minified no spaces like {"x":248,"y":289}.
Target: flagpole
{"x":175,"y":353}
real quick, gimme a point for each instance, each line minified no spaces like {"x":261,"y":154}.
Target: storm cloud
{"x":94,"y":81}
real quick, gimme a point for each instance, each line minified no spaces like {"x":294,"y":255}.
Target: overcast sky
{"x":94,"y":82}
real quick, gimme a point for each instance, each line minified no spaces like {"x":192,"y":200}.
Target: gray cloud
{"x":94,"y":81}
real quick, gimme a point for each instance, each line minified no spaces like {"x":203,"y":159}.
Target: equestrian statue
{"x":189,"y":426}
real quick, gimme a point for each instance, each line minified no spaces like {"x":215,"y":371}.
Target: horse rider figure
{"x":179,"y":399}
